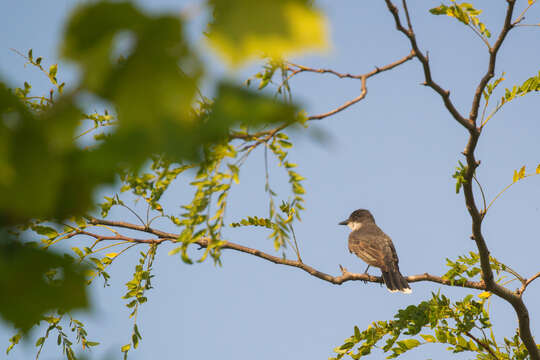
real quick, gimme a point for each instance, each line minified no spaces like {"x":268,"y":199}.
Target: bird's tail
{"x":396,"y":282}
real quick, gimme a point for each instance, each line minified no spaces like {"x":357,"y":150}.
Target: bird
{"x":371,"y":244}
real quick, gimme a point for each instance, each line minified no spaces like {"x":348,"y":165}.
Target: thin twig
{"x":521,"y":16}
{"x":363,"y":92}
{"x":482,"y":344}
{"x":131,"y":210}
{"x":482,"y":192}
{"x":295,"y":242}
{"x":480,"y":36}
{"x":265,"y":136}
{"x":524,"y":286}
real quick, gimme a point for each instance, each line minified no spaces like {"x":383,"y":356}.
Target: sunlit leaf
{"x":463,"y":12}
{"x":484,"y":295}
{"x":246,"y":29}
{"x":429,"y":338}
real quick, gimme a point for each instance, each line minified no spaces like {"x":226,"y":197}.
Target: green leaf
{"x":357,"y":335}
{"x":236,"y":105}
{"x":14,"y":340}
{"x":40,"y":341}
{"x":45,"y":230}
{"x":429,"y":338}
{"x":136,"y":331}
{"x":78,"y":251}
{"x":245,"y":29}
{"x":52,"y":72}
{"x":463,"y":12}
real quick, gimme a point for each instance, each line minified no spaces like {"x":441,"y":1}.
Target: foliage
{"x":181,"y":130}
{"x":459,"y":175}
{"x":531,"y":84}
{"x":465,"y":13}
{"x":464,"y":325}
{"x":435,"y":321}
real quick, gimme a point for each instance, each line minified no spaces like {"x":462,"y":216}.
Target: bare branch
{"x":344,"y":106}
{"x":99,"y":237}
{"x":364,"y":78}
{"x":527,"y":282}
{"x":297,"y":69}
{"x":265,"y":136}
{"x":479,"y":35}
{"x":492,"y":59}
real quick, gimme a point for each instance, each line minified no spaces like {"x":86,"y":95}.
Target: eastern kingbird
{"x":373,"y":246}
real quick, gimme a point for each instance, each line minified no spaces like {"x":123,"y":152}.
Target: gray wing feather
{"x":373,"y":246}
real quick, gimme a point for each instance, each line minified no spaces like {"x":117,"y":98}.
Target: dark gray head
{"x":360,"y":216}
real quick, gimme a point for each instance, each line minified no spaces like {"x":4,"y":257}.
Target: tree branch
{"x":203,"y":243}
{"x":363,"y":78}
{"x":492,"y":59}
{"x":527,"y":282}
{"x":474,"y":133}
{"x":264,"y":136}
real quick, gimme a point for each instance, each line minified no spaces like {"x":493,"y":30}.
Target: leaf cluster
{"x":435,"y":321}
{"x":465,"y":13}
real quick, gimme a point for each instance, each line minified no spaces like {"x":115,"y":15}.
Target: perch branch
{"x":203,"y":243}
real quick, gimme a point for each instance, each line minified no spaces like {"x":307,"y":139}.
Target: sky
{"x":393,"y":153}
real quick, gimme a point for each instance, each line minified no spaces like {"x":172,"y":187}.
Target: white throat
{"x":354,"y":225}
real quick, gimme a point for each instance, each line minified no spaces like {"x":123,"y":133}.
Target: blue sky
{"x":392,"y":153}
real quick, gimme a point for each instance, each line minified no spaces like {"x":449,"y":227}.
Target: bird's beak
{"x":344,"y":222}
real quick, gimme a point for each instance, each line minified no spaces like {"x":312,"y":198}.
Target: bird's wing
{"x":373,"y":246}
{"x":366,"y":246}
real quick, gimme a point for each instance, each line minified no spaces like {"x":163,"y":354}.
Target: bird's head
{"x":358,"y":218}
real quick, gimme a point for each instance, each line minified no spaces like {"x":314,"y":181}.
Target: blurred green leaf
{"x":43,"y":173}
{"x":27,"y":294}
{"x":153,"y":88}
{"x":237,"y":105}
{"x":245,"y":29}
